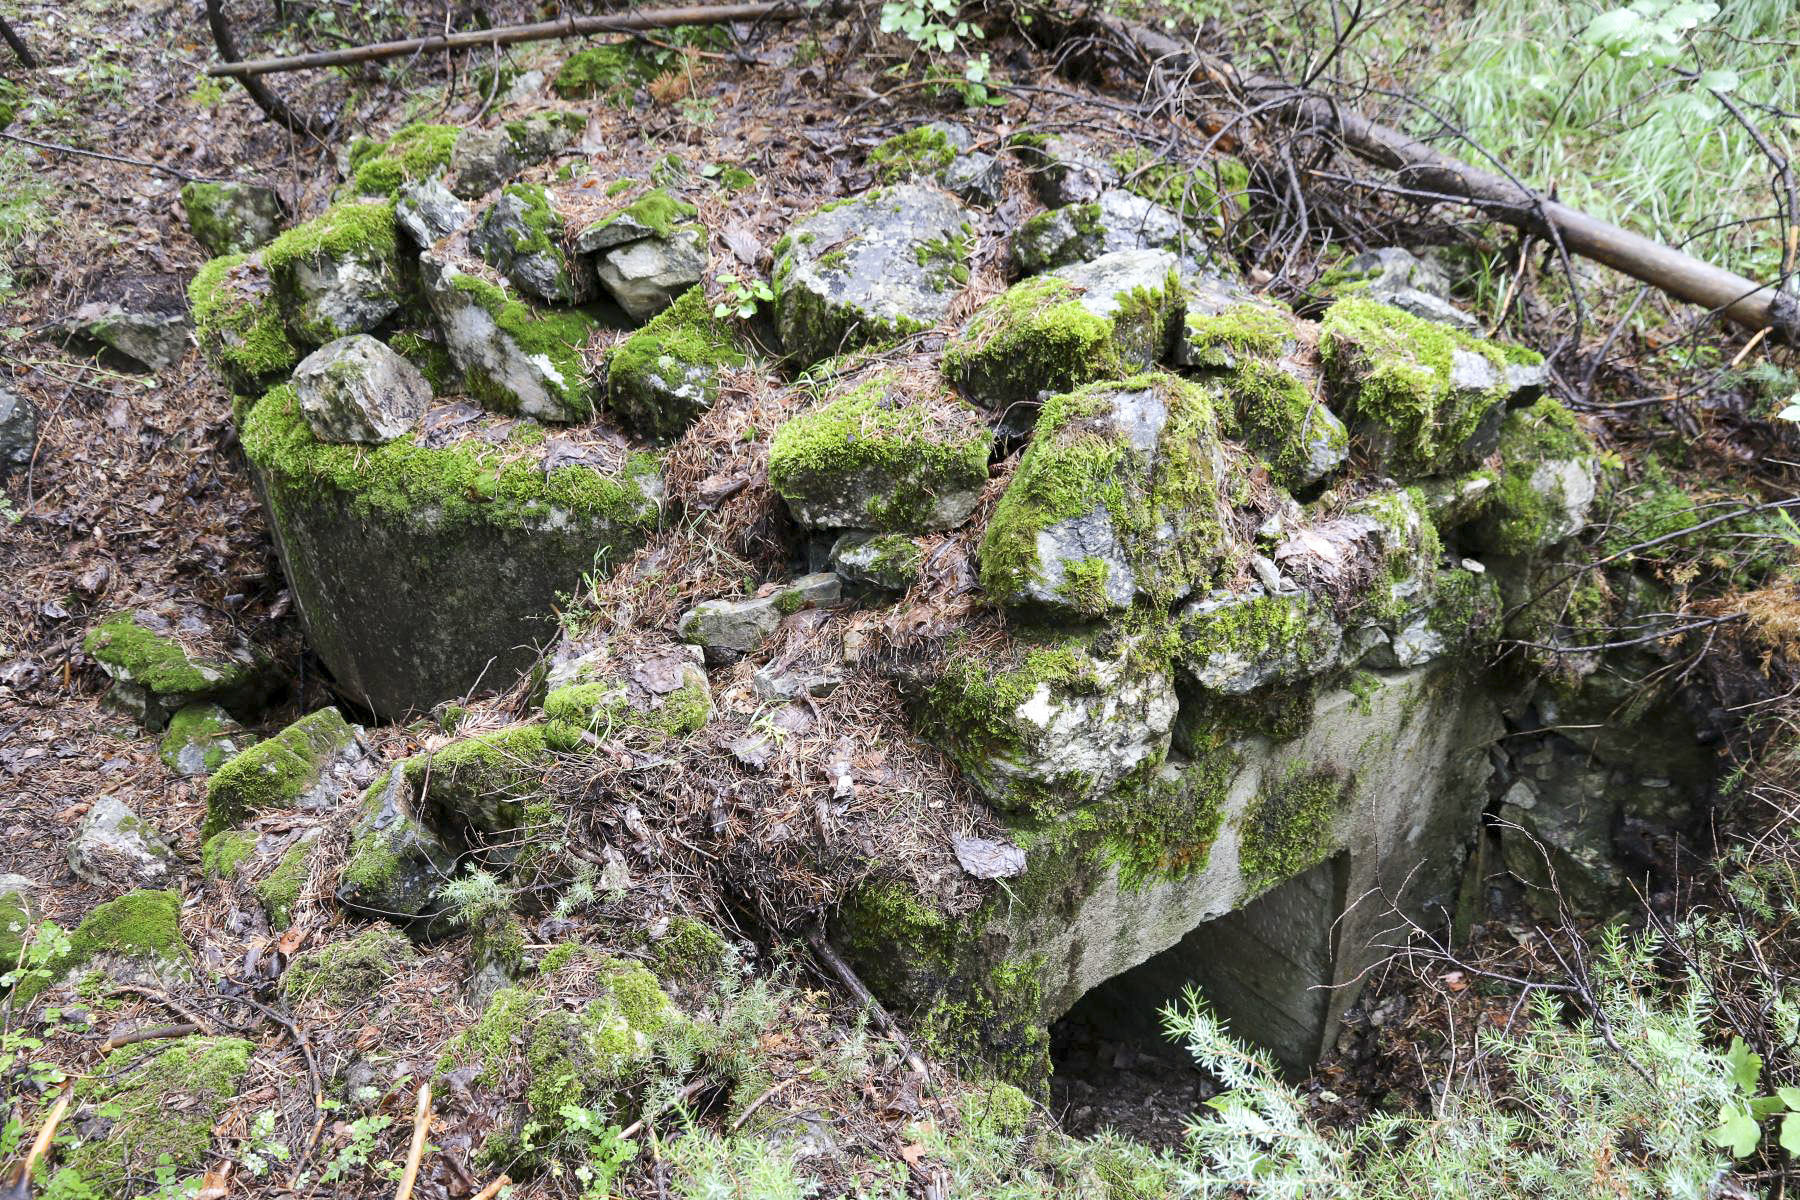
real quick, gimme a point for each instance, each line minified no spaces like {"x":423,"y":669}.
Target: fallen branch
{"x":19,"y":1185}
{"x":273,"y":106}
{"x":26,"y":58}
{"x":1420,"y":168}
{"x":146,"y":1035}
{"x":508,"y":35}
{"x":416,"y":1152}
{"x":866,"y":998}
{"x":492,"y":1189}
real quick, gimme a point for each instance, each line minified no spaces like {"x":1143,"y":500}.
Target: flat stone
{"x":645,"y":276}
{"x":152,"y":337}
{"x":357,"y":390}
{"x":728,"y":629}
{"x":116,"y":848}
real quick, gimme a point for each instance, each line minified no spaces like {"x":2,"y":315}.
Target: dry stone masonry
{"x":1226,"y":572}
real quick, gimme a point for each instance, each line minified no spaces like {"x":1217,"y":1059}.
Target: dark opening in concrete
{"x":1266,"y":969}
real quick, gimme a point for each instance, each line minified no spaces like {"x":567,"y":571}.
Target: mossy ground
{"x":279,"y":891}
{"x":272,"y":775}
{"x":605,"y":708}
{"x":348,"y":972}
{"x":161,"y":1099}
{"x":920,"y":151}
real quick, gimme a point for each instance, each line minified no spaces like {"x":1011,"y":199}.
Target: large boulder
{"x":168,"y":656}
{"x":1107,"y":319}
{"x":431,"y":565}
{"x":1123,"y":492}
{"x":664,"y":377}
{"x":1421,"y":397}
{"x":514,"y":358}
{"x":869,"y":270}
{"x":338,"y":273}
{"x":357,"y":390}
{"x":1076,"y":233}
{"x":231,"y":217}
{"x":895,"y":453}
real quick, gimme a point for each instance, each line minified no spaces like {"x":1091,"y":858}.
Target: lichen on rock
{"x":1078,"y":233}
{"x":892,"y":454}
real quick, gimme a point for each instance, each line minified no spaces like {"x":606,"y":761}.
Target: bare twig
{"x":145,"y":1035}
{"x":416,"y":1152}
{"x":26,"y":58}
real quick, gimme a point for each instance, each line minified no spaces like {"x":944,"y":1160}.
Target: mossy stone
{"x":337,"y":274}
{"x":238,"y":323}
{"x":277,"y":773}
{"x":415,"y":151}
{"x":199,"y":739}
{"x":883,"y":458}
{"x":419,"y":571}
{"x":1548,"y":481}
{"x":665,"y":376}
{"x":136,"y":938}
{"x":231,"y":217}
{"x":350,"y":972}
{"x":155,"y":674}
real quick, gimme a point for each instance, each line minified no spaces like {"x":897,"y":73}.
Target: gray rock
{"x":484,"y":159}
{"x":152,"y":336}
{"x":429,"y":212}
{"x":1235,"y":642}
{"x":18,"y":432}
{"x":115,"y":847}
{"x":1400,"y":278}
{"x":521,"y":235}
{"x":729,"y":629}
{"x":1559,"y":833}
{"x":481,"y":332}
{"x":1072,"y":737}
{"x":1118,"y":220}
{"x":870,"y":270}
{"x":774,"y":682}
{"x":357,"y":390}
{"x":329,"y":287}
{"x":1108,"y":279}
{"x":231,"y":217}
{"x":976,"y":177}
{"x":889,"y":561}
{"x":154,"y":659}
{"x":396,"y":864}
{"x":199,"y":739}
{"x":1065,"y":172}
{"x":645,"y":276}
{"x":1166,"y":468}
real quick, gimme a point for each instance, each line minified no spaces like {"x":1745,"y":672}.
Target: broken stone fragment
{"x":483,"y":159}
{"x":889,"y":561}
{"x":1120,"y":494}
{"x":728,"y":629}
{"x":357,"y":390}
{"x":396,"y":866}
{"x":975,"y":177}
{"x":433,"y":564}
{"x":18,"y":433}
{"x":200,"y":738}
{"x":1232,"y":643}
{"x":152,"y":335}
{"x":1118,"y":220}
{"x":646,"y":275}
{"x":516,"y":359}
{"x":1400,"y":278}
{"x":238,"y":323}
{"x":892,"y":455}
{"x":114,"y":847}
{"x":665,"y":376}
{"x":655,"y":214}
{"x":940,"y":152}
{"x":869,"y":270}
{"x":146,"y":653}
{"x":429,"y":212}
{"x":306,"y":765}
{"x":1046,"y":728}
{"x":338,"y":273}
{"x":1548,"y":479}
{"x":521,"y":235}
{"x":1063,"y":171}
{"x":231,"y":217}
{"x":775,"y":682}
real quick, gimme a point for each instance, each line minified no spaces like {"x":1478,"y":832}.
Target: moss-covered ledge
{"x":418,"y":569}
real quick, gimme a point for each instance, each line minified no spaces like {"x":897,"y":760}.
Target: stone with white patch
{"x":356,"y":390}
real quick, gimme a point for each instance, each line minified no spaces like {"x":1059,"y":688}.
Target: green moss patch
{"x":1035,"y":337}
{"x":1204,"y":195}
{"x":161,"y":1101}
{"x":877,"y":458}
{"x":202,"y":734}
{"x":1530,"y":506}
{"x":557,"y":336}
{"x":142,"y":927}
{"x":156,"y":662}
{"x":356,"y":231}
{"x":348,"y":973}
{"x":1287,"y":828}
{"x":920,"y":151}
{"x":468,"y":483}
{"x":273,"y":774}
{"x":1392,"y":371}
{"x":239,"y":324}
{"x":608,"y":707}
{"x":1166,"y":830}
{"x":225,"y":852}
{"x":416,"y":151}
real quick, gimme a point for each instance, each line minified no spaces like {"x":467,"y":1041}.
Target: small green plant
{"x":1740,"y":1117}
{"x":263,"y":1149}
{"x":357,"y":1153}
{"x":207,"y":91}
{"x":477,"y":897}
{"x":742,"y":296}
{"x":603,"y":1147}
{"x":937,"y":28}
